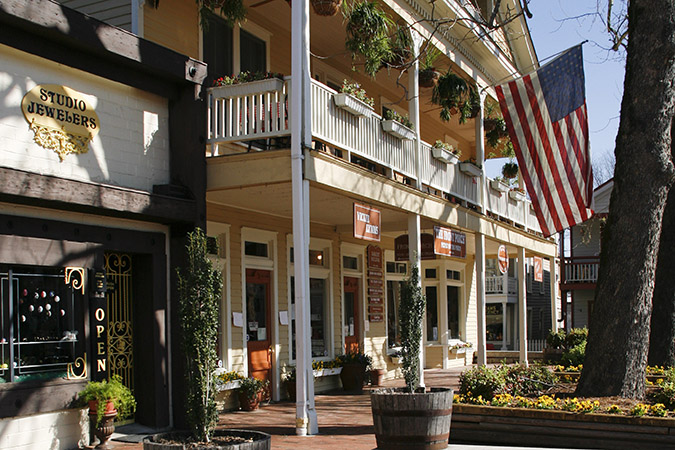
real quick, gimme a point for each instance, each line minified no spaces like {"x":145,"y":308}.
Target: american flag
{"x":546,"y":116}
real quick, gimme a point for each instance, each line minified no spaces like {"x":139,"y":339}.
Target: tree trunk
{"x":662,"y":337}
{"x":618,"y":341}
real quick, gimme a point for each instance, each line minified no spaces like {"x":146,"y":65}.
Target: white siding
{"x":131,"y":149}
{"x":112,"y":12}
{"x":59,"y":430}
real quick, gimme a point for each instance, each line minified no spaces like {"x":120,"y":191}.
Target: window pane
{"x":316,"y":258}
{"x":253,"y":53}
{"x":255,"y":249}
{"x":217,"y":49}
{"x":318,"y":317}
{"x":493,"y":321}
{"x":453,"y":312}
{"x":350,"y":262}
{"x":430,"y":274}
{"x":393,"y":302}
{"x":432,"y":313}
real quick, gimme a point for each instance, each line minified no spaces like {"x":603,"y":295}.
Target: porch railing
{"x":580,"y":270}
{"x":495,"y":285}
{"x":240,"y":114}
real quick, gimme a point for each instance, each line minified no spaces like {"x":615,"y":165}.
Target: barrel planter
{"x":412,"y":421}
{"x":258,"y":441}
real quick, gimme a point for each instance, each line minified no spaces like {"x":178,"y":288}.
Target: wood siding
{"x":174,"y":24}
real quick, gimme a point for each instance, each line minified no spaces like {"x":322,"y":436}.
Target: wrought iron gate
{"x":120,"y":317}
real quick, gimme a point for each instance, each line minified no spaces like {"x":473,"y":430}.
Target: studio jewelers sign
{"x":62,"y":119}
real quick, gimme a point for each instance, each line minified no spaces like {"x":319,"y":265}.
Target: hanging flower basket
{"x":326,"y":7}
{"x":428,"y":78}
{"x":510,"y":170}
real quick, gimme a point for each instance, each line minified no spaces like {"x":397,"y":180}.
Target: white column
{"x":506,"y":330}
{"x":480,"y":153}
{"x":444,"y":326}
{"x":414,"y":255}
{"x":481,"y":356}
{"x":553,"y":275}
{"x":301,"y":135}
{"x":414,"y":104}
{"x":522,"y":306}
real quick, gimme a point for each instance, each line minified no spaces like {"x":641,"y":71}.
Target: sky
{"x":557,"y":25}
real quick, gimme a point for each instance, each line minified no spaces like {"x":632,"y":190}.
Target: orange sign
{"x":449,"y":242}
{"x":538,"y":269}
{"x":503,"y":259}
{"x":366,"y":223}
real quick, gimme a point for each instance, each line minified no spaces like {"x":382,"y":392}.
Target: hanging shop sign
{"x":449,"y":242}
{"x":401,"y":245}
{"x":374,"y":257}
{"x":62,"y":119}
{"x":366,"y":223}
{"x":375,"y":318}
{"x":538,"y":269}
{"x":503,"y":259}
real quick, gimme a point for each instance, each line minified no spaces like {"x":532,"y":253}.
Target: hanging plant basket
{"x":326,"y":7}
{"x":510,"y":170}
{"x":428,"y":78}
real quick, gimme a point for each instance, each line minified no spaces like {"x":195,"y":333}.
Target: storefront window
{"x":393,"y":301}
{"x":494,"y":322}
{"x":43,"y":318}
{"x":453,"y":312}
{"x":432,"y":313}
{"x":318,"y":300}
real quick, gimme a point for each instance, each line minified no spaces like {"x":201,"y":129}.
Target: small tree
{"x":411,"y":313}
{"x":199,"y":288}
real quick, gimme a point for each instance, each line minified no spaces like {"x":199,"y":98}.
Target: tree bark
{"x":618,"y":341}
{"x":662,"y":337}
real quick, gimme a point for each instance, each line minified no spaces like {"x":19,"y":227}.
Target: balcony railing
{"x":495,"y":285}
{"x":579,"y":272}
{"x":260,"y":113}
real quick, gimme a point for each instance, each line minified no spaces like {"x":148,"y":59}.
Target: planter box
{"x":327,"y":372}
{"x":444,"y":155}
{"x":470,"y":169}
{"x":397,"y":129}
{"x":517,"y":196}
{"x":531,"y":427}
{"x":352,"y":104}
{"x":499,"y":186}
{"x":230,"y":385}
{"x":254,"y":87}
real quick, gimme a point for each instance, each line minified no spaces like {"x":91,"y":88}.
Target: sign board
{"x":538,"y":269}
{"x":503,"y":259}
{"x":449,"y":242}
{"x":374,"y":257}
{"x":374,"y":273}
{"x":375,"y":291}
{"x":376,"y":309}
{"x":62,"y":119}
{"x":401,"y":247}
{"x":375,"y":318}
{"x":375,"y":282}
{"x":98,"y":307}
{"x":366,"y":223}
{"x":376,"y":300}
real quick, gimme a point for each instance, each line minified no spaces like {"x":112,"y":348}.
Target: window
{"x":218,"y":53}
{"x":316,"y":257}
{"x":494,"y":314}
{"x":453,"y":275}
{"x":43,"y":318}
{"x":432,"y":313}
{"x":255,"y":249}
{"x":350,"y":262}
{"x":397,"y":267}
{"x":393,"y":301}
{"x":430,"y":274}
{"x":453,"y":312}
{"x":318,"y":301}
{"x":253,"y":53}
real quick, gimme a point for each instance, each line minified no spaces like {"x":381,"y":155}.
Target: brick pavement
{"x":345,"y":420}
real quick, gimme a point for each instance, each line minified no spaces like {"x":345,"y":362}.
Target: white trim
{"x":222,"y":231}
{"x":359,"y":251}
{"x":389,"y":256}
{"x":137,"y":16}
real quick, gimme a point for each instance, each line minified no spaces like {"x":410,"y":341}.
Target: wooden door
{"x":351,"y":315}
{"x":258,"y":322}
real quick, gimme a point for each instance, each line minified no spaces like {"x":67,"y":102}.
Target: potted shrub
{"x":455,"y":96}
{"x":414,"y":415}
{"x":107,"y":401}
{"x":368,"y":29}
{"x":354,"y":367}
{"x":398,"y":125}
{"x":353,"y":98}
{"x":251,"y":392}
{"x":444,"y":152}
{"x":428,"y":75}
{"x":401,"y":53}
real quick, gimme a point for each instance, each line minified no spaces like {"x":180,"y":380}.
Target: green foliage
{"x":483,"y":381}
{"x":199,"y":289}
{"x":251,"y":387}
{"x":576,"y":336}
{"x":531,"y":380}
{"x":448,"y":147}
{"x":574,"y":356}
{"x":246,"y":77}
{"x":556,"y":339}
{"x":455,"y":96}
{"x":390,"y":114}
{"x":233,"y":11}
{"x":104,"y":391}
{"x":429,"y":58}
{"x":665,"y":393}
{"x":368,"y":28}
{"x":355,"y":90}
{"x":411,"y":313}
{"x":510,"y":170}
{"x":355,"y":358}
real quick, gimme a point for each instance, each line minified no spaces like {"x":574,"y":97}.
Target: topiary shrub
{"x":529,"y":381}
{"x":574,"y":356}
{"x":483,"y":381}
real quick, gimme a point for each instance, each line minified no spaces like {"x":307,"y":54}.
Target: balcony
{"x":579,"y":272}
{"x":498,"y":286}
{"x":242,"y":118}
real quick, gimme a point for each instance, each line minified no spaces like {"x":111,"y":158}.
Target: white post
{"x":414,"y":104}
{"x":553,"y":275}
{"x":522,"y":306}
{"x":506,"y":331}
{"x":481,"y":356}
{"x":414,"y":255}
{"x":301,"y":135}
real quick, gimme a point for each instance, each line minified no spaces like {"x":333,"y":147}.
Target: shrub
{"x":354,"y":358}
{"x":355,"y":90}
{"x":574,"y":356}
{"x":111,"y":390}
{"x":411,"y":311}
{"x":556,"y":339}
{"x":529,"y":381}
{"x":482,"y":381}
{"x":576,"y":337}
{"x":251,"y":387}
{"x":665,"y":393}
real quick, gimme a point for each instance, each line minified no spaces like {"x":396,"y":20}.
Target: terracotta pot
{"x":352,"y":377}
{"x":248,"y":404}
{"x":106,"y":428}
{"x":428,"y":78}
{"x":376,"y":376}
{"x":326,"y":7}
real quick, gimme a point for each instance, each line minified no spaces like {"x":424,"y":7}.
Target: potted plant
{"x":326,"y":8}
{"x":248,"y":83}
{"x":401,"y":49}
{"x":250,"y":393}
{"x":471,"y":167}
{"x":288,"y":377}
{"x":500,"y":184}
{"x":444,"y":152}
{"x":398,"y":125}
{"x":428,"y":75}
{"x":353,"y":98}
{"x":394,"y":410}
{"x":455,"y":96}
{"x":354,"y":367}
{"x":518,"y":194}
{"x":510,"y":170}
{"x":368,"y":29}
{"x":107,"y":401}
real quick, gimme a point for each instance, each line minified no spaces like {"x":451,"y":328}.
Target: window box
{"x":327,"y":372}
{"x":517,"y":195}
{"x":252,"y":87}
{"x":499,"y":186}
{"x":470,"y":169}
{"x":352,"y":104}
{"x":397,"y":129}
{"x":444,"y":155}
{"x":230,"y":385}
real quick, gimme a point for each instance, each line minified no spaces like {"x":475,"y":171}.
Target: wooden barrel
{"x":412,"y":421}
